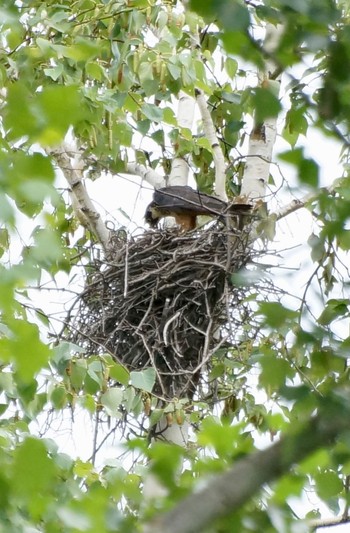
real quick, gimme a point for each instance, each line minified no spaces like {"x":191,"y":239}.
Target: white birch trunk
{"x":218,"y":156}
{"x":185,"y":115}
{"x":70,"y":162}
{"x":175,"y":434}
{"x":263,"y":136}
{"x":253,"y":187}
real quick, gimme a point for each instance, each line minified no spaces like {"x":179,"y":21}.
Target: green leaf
{"x":152,"y":112}
{"x":63,"y":352}
{"x":144,"y":379}
{"x":28,"y":167}
{"x":145,"y":72}
{"x":94,"y":71}
{"x":226,"y":440}
{"x":58,"y":397}
{"x":4,"y":239}
{"x":59,"y":107}
{"x":78,"y":371}
{"x":27,"y":390}
{"x":274,"y":372}
{"x":119,"y":373}
{"x":232,"y":15}
{"x":123,"y":132}
{"x":166,"y":461}
{"x":7,"y":384}
{"x":30,"y":196}
{"x":111,"y":400}
{"x":6,"y":210}
{"x":24,"y":348}
{"x":295,"y":124}
{"x":82,"y":49}
{"x":308,"y":170}
{"x":314,"y":462}
{"x":289,"y":486}
{"x":328,"y":485}
{"x":174,"y":68}
{"x":54,"y":72}
{"x":334,"y":309}
{"x":33,"y":472}
{"x":92,"y":385}
{"x":83,"y":468}
{"x":44,"y":116}
{"x":20,"y":120}
{"x":89,"y":403}
{"x":276,"y":315}
{"x":344,"y":240}
{"x":47,"y":249}
{"x":294,"y":157}
{"x":156,"y":415}
{"x":204,"y":143}
{"x":266,"y":104}
{"x":231,"y":67}
{"x":169,"y":116}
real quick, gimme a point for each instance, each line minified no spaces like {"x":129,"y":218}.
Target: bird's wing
{"x":181,"y":199}
{"x":240,"y":208}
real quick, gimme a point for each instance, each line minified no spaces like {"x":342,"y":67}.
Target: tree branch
{"x":218,"y":156}
{"x":298,"y":203}
{"x":292,"y":206}
{"x":328,"y":522}
{"x":70,"y":162}
{"x":227,"y":492}
{"x":148,"y":174}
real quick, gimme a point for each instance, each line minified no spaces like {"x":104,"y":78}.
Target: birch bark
{"x":218,"y":156}
{"x":71,"y":164}
{"x":175,"y":434}
{"x":263,"y":136}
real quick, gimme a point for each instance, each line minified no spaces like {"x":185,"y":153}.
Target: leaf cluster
{"x":110,"y":72}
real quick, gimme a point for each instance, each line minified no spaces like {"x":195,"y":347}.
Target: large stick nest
{"x":164,"y":300}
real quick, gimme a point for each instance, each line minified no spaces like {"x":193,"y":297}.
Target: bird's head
{"x":151,"y":215}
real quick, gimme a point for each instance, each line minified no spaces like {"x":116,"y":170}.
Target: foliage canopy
{"x":110,"y":74}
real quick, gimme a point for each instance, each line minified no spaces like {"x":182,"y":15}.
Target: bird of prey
{"x":185,"y":204}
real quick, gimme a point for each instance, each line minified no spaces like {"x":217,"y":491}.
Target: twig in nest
{"x":167,"y":325}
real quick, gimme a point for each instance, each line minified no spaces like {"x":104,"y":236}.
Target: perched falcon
{"x":185,"y":204}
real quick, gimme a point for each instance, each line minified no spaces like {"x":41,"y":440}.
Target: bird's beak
{"x":150,"y":218}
